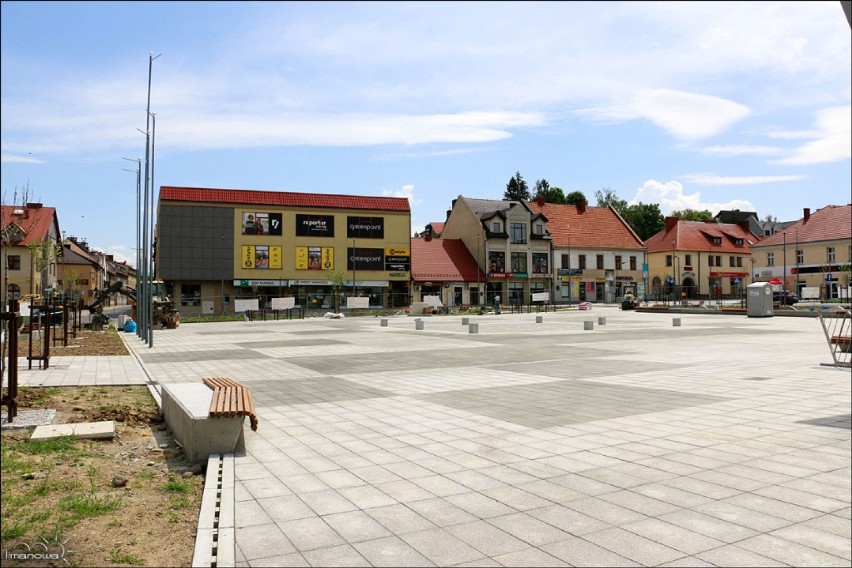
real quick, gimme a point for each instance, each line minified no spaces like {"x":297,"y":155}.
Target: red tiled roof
{"x":283,"y":198}
{"x":437,"y":228}
{"x":35,"y":225}
{"x":832,"y":222}
{"x":596,"y":227}
{"x":697,"y":236}
{"x":442,"y":260}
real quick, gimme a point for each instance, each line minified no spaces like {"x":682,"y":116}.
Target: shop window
{"x":190,"y":294}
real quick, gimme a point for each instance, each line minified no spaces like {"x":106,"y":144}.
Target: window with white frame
{"x":770,"y":259}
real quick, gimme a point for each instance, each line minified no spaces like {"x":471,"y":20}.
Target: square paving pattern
{"x":724,"y":441}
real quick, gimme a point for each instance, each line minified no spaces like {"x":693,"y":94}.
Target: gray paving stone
{"x":310,"y":533}
{"x":399,"y":519}
{"x":441,"y":547}
{"x":577,"y":551}
{"x":634,"y":547}
{"x":356,"y":526}
{"x":390,"y":551}
{"x":529,"y":529}
{"x":790,"y":553}
{"x":343,"y":555}
{"x":486,"y":538}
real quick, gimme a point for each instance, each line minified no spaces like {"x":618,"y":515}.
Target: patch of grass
{"x":133,"y":559}
{"x":145,"y":475}
{"x":88,"y":505}
{"x":179,"y":502}
{"x":173,"y":485}
{"x":64,"y":444}
{"x":10,"y":530}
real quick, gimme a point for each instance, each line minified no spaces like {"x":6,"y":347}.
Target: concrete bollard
{"x":473,"y":328}
{"x":419,"y":324}
{"x":601,"y":321}
{"x":587,"y":325}
{"x":384,"y":322}
{"x":675,"y":322}
{"x":539,"y":319}
{"x":465,"y":321}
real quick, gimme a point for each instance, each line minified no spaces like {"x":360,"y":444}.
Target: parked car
{"x":784,"y":297}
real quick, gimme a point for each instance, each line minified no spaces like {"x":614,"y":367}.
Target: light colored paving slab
{"x":87,"y":430}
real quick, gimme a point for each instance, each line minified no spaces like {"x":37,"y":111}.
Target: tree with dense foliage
{"x":517,"y":189}
{"x":693,"y":215}
{"x":645,"y":219}
{"x":575,"y":197}
{"x":550,"y":194}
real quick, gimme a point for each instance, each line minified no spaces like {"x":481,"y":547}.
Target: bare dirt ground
{"x":131,"y":500}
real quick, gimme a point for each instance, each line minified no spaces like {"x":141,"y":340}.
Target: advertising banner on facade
{"x":260,"y":223}
{"x":314,"y":225}
{"x":365,"y":227}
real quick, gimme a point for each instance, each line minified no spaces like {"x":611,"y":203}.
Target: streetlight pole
{"x":144,"y":292}
{"x":138,"y":224}
{"x":222,"y":236}
{"x":784,"y":281}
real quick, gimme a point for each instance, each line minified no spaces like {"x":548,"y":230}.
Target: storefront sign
{"x":314,"y":226}
{"x":365,"y":227}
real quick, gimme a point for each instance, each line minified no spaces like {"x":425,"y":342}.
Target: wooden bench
{"x":843,"y":342}
{"x":230,"y":399}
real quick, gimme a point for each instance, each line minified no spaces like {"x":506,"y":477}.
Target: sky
{"x":717,"y":105}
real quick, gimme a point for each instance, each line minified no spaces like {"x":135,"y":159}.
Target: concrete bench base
{"x":186,"y":409}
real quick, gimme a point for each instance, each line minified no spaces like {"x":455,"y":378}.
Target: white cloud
{"x":741,"y":150}
{"x":833,"y":139}
{"x":671,"y":197}
{"x":711,"y":179}
{"x":406,"y":191}
{"x":15,"y":159}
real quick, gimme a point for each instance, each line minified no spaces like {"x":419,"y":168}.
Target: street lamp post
{"x":222,"y":274}
{"x":144,"y":300}
{"x":354,"y":266}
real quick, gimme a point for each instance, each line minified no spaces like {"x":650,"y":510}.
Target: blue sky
{"x":718,"y":105}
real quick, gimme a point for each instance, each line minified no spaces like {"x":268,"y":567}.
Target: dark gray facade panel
{"x":191,"y":243}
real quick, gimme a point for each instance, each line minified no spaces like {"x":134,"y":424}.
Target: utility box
{"x":759,"y":300}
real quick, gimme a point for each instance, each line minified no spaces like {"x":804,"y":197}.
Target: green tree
{"x":550,"y":194}
{"x":645,"y":219}
{"x":575,"y":197}
{"x":693,"y":215}
{"x":337,"y":279}
{"x":517,"y":189}
{"x":44,"y":252}
{"x":607,"y":198}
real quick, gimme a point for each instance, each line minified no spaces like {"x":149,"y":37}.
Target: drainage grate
{"x":214,"y":554}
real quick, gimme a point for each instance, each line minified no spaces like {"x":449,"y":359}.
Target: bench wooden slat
{"x":230,"y":399}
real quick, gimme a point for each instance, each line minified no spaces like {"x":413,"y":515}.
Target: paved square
{"x":723,"y":441}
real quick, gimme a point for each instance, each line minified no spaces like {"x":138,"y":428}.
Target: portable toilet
{"x":759,"y":300}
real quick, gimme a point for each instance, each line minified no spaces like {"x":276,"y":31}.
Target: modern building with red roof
{"x":700,"y":259}
{"x":23,"y":227}
{"x":443,"y":268}
{"x":215,"y":246}
{"x":812,"y":256}
{"x":596,"y":254}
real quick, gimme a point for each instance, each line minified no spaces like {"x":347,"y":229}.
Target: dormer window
{"x":539,"y":229}
{"x":495,"y":228}
{"x":717,"y":240}
{"x":738,"y":241}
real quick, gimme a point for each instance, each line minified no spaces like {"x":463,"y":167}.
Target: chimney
{"x":539,"y":201}
{"x":581,"y":206}
{"x":671,"y":223}
{"x":807,"y":213}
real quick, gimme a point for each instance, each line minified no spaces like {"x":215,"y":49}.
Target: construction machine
{"x":164,"y":312}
